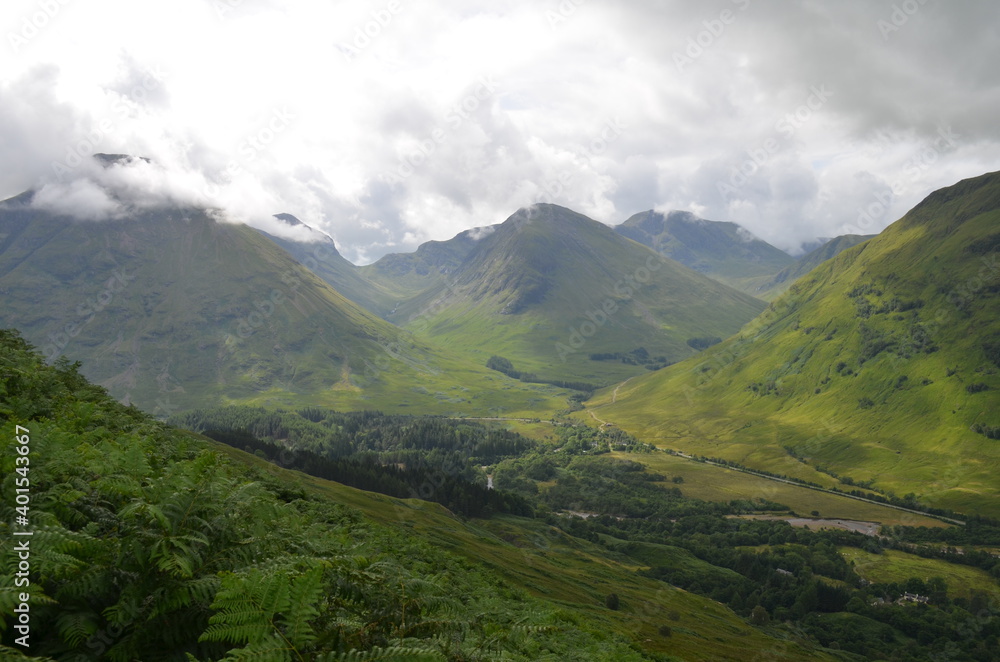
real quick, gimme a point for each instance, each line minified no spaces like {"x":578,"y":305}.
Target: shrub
{"x":703,"y":343}
{"x":500,"y":364}
{"x":759,"y":616}
{"x":992,"y":351}
{"x":988,"y":431}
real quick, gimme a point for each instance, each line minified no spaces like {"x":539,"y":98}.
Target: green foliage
{"x":984,"y":245}
{"x":703,"y":343}
{"x":992,"y":351}
{"x":873,"y":343}
{"x":612,"y":602}
{"x":500,"y":364}
{"x":267,"y":612}
{"x":154,"y":546}
{"x":637,"y":356}
{"x":988,"y":431}
{"x":759,"y":616}
{"x":435,"y":459}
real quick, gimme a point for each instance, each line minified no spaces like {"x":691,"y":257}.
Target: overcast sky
{"x":390,"y":123}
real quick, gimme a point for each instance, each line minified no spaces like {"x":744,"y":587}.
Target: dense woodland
{"x":392,"y":456}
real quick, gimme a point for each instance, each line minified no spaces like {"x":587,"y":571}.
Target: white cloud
{"x":261,"y":110}
{"x":83,"y":199}
{"x":481,"y":233}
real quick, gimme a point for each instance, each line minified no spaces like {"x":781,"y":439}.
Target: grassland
{"x":712,"y":483}
{"x":895,"y":566}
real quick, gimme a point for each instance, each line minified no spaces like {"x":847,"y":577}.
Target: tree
{"x":612,"y":602}
{"x":759,"y":616}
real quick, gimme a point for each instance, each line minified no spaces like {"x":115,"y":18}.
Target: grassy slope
{"x":915,"y":436}
{"x":571,"y":573}
{"x":524,"y":289}
{"x":323,"y":260}
{"x":214,"y":313}
{"x":782,"y":280}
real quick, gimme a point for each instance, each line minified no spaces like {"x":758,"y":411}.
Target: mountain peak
{"x":549,"y":220}
{"x":306,"y":233}
{"x":108,"y":160}
{"x":722,"y":250}
{"x":288,"y":219}
{"x":963,"y":201}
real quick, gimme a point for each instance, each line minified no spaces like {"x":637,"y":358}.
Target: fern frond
{"x":75,"y":627}
{"x":14,"y":655}
{"x":378,"y":654}
{"x":304,"y":594}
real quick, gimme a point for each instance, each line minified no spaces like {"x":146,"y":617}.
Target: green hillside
{"x":566,"y":298}
{"x":879,"y":367}
{"x":172,"y":310}
{"x":322,"y":258}
{"x":150,"y":543}
{"x":828,"y":250}
{"x":723,"y":251}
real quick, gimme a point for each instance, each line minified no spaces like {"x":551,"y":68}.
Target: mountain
{"x":724,"y":251}
{"x":815,"y":257}
{"x":567,"y":298}
{"x":170,"y":309}
{"x":429,"y":266}
{"x":879,"y":367}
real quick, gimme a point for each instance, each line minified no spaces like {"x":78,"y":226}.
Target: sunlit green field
{"x":704,"y":481}
{"x":895,"y":566}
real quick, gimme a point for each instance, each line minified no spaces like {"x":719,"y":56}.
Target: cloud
{"x":791,"y":119}
{"x":481,"y":233}
{"x":83,"y":199}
